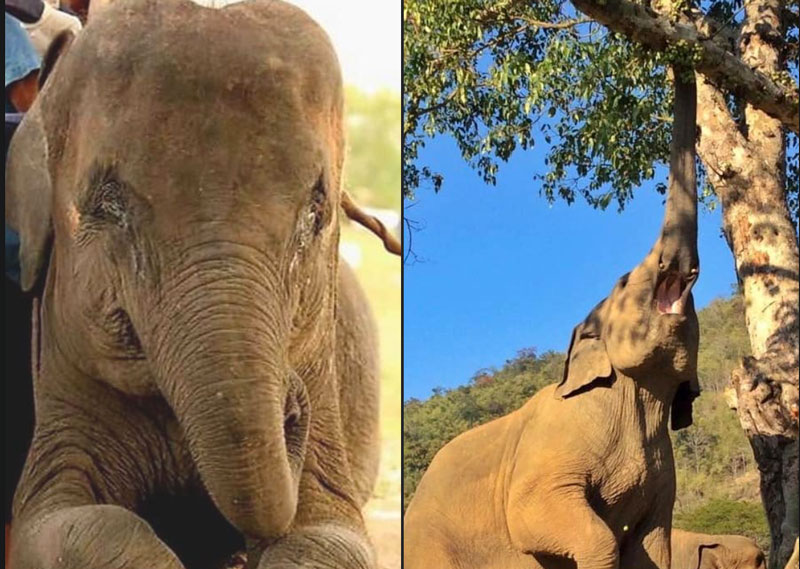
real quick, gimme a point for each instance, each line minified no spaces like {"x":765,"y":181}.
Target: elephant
{"x":701,"y":551}
{"x":583,"y":474}
{"x":205,"y":369}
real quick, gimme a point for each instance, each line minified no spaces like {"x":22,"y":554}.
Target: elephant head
{"x":700,"y":551}
{"x":180,"y":186}
{"x":647,"y":327}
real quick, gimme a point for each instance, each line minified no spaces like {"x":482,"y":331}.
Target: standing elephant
{"x":205,"y":368}
{"x":583,"y":474}
{"x":700,"y":551}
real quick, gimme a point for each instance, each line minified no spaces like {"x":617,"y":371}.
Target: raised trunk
{"x":745,"y":166}
{"x":679,"y":231}
{"x":218,"y":344}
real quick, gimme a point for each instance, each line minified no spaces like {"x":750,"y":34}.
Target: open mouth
{"x":672,"y":293}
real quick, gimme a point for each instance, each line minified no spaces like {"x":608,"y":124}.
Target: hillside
{"x":718,"y":484}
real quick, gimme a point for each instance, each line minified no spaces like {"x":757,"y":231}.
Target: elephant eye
{"x":107,"y":201}
{"x":317,"y":214}
{"x":314,"y":215}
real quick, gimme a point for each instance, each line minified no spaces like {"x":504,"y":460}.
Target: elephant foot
{"x":90,"y":537}
{"x":319,"y":547}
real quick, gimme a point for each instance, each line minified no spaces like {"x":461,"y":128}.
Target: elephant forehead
{"x":270,"y":52}
{"x":170,"y":91}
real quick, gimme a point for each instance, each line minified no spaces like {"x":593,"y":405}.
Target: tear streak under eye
{"x":317,"y":212}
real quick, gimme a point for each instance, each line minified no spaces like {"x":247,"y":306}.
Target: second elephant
{"x":702,"y":551}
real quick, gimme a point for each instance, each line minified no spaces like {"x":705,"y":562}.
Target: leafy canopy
{"x":503,"y":76}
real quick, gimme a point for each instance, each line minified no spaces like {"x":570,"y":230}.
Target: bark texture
{"x":719,"y":65}
{"x":745,"y":164}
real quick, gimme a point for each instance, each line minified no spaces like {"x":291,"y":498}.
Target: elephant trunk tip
{"x":252,"y":464}
{"x":257,"y":522}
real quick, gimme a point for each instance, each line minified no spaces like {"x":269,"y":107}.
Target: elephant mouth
{"x":672,"y":292}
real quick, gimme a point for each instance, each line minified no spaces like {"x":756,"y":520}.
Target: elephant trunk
{"x":678,"y":260}
{"x":218,"y":345}
{"x":679,"y":231}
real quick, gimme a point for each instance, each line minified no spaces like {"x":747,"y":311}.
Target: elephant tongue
{"x":668,"y":296}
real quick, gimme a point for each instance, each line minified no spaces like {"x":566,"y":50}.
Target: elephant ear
{"x":29,"y":193}
{"x":708,"y":556}
{"x":29,"y":188}
{"x":372,"y":223}
{"x":55,"y":50}
{"x":683,"y":402}
{"x":587,"y":360}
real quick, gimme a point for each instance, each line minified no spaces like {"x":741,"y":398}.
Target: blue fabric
{"x":11,"y":256}
{"x":21,"y":57}
{"x":21,"y":60}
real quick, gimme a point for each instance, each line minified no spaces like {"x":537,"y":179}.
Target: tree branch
{"x":720,"y":66}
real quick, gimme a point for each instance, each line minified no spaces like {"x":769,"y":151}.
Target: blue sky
{"x":500,"y":269}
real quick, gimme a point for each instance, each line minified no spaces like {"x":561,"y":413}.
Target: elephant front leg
{"x":324,"y":546}
{"x":328,"y":531}
{"x":649,"y":547}
{"x":89,"y":537}
{"x":551,"y":523}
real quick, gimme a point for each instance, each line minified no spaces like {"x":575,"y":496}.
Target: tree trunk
{"x":745,"y":164}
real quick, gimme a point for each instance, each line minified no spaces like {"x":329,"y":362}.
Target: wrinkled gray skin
{"x":583,"y":474}
{"x":207,"y":369}
{"x":701,"y":551}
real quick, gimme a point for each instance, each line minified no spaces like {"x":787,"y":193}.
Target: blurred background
{"x":370,"y":58}
{"x":372,"y":175}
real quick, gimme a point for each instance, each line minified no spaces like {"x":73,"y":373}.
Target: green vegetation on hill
{"x":721,"y":516}
{"x":716,"y":472}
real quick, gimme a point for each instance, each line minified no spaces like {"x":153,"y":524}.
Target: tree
{"x":590,"y":81}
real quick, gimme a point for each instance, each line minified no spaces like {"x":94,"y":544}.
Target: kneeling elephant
{"x":206,"y":370}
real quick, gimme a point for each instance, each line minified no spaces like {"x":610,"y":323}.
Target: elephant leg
{"x":328,"y":530}
{"x":649,"y":545}
{"x":650,"y":550}
{"x":326,"y":546}
{"x":555,"y":524}
{"x":359,"y":382}
{"x":420,"y":550}
{"x":89,"y":537}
